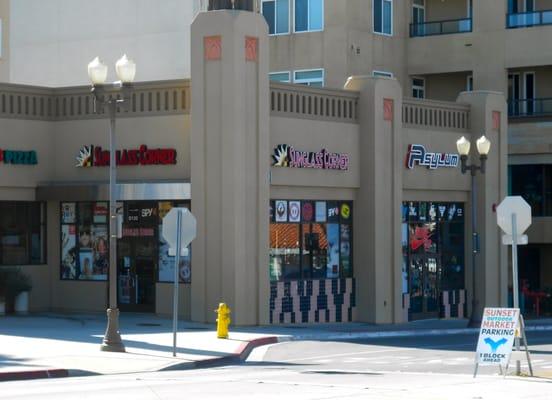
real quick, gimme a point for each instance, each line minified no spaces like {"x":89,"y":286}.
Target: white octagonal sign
{"x":188,"y":227}
{"x":513,"y":205}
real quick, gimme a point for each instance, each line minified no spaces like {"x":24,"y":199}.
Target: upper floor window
{"x":383,"y":16}
{"x":469,"y":83}
{"x":280,"y":77}
{"x":276,"y":13}
{"x":418,"y":88}
{"x":309,"y":15}
{"x":313,"y":77}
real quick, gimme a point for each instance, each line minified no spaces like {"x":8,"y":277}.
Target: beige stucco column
{"x":377,"y":256}
{"x":489,"y":117}
{"x":230,"y":165}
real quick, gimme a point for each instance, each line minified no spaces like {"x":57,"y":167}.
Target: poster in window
{"x":100,"y":213}
{"x":346,"y":212}
{"x":346,"y":250}
{"x":332,"y":265}
{"x":68,"y":252}
{"x":413,"y":211}
{"x":68,"y":213}
{"x":422,"y":211}
{"x":320,"y":211}
{"x":404,"y":212}
{"x":294,"y":211}
{"x":451,"y":212}
{"x":432,"y":213}
{"x":281,"y":211}
{"x":86,"y":264}
{"x":307,"y":211}
{"x":85,"y":213}
{"x":441,"y":211}
{"x":164,"y":208}
{"x":100,"y":252}
{"x":333,"y":211}
{"x":166,"y":262}
{"x":85,"y":237}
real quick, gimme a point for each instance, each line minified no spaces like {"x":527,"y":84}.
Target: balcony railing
{"x":530,"y":107}
{"x":534,"y":18}
{"x":441,"y":27}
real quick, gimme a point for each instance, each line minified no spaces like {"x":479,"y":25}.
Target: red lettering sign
{"x":95,"y":156}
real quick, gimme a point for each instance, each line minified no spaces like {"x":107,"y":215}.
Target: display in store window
{"x":307,"y":211}
{"x":167,"y":262}
{"x":281,"y":211}
{"x":320,"y":211}
{"x":333,"y":251}
{"x":68,"y":252}
{"x":68,"y":213}
{"x":100,"y":251}
{"x":85,"y":262}
{"x":294,"y":211}
{"x":100,"y":213}
{"x":346,"y":249}
{"x":332,"y":211}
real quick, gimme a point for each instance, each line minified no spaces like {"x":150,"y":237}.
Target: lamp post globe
{"x":126,"y":69}
{"x":97,"y":71}
{"x":483,"y":145}
{"x":463,"y":146}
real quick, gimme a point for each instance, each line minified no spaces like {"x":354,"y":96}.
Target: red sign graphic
{"x":421,"y":237}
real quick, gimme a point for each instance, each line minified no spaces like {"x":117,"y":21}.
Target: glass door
{"x":138,"y":257}
{"x":424,"y":286}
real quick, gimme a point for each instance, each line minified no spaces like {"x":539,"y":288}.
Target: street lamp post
{"x":97,"y":72}
{"x":483,"y":147}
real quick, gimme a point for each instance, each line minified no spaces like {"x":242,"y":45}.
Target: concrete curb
{"x":395,"y":334}
{"x":240,"y":355}
{"x":36,"y":374}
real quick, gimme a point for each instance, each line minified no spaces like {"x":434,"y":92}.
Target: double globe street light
{"x":483,"y":147}
{"x":97,"y":72}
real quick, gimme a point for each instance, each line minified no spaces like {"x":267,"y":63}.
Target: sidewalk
{"x":53,"y":345}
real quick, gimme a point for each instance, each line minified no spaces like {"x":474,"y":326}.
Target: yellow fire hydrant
{"x":223,"y":320}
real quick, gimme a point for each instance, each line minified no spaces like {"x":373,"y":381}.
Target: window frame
{"x":280,"y":72}
{"x":382,"y":18}
{"x":43,"y":229}
{"x":308,"y":81}
{"x":382,"y":74}
{"x":276,"y":16}
{"x":422,"y":88}
{"x":293,"y":12}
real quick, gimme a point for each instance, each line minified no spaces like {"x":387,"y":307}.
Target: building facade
{"x":313,"y":204}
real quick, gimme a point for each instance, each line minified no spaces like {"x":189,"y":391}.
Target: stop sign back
{"x":513,"y":205}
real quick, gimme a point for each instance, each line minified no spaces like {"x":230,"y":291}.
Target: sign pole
{"x":515,"y":281}
{"x":176,"y":277}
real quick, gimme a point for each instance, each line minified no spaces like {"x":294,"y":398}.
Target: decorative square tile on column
{"x":212,"y":48}
{"x":251,"y":48}
{"x":496,"y":120}
{"x":388,"y":109}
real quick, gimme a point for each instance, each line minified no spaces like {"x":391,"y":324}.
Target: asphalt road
{"x":408,"y":368}
{"x":452,"y":354}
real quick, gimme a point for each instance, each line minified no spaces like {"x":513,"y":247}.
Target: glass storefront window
{"x":310,"y":240}
{"x":22,"y":233}
{"x":84,"y":241}
{"x":433,"y":253}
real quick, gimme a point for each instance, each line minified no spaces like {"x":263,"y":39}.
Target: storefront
{"x":142,"y":253}
{"x":306,"y":211}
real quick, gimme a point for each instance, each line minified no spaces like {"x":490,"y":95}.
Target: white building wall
{"x":52,"y":41}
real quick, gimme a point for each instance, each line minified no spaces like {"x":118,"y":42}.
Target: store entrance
{"x":137,"y":258}
{"x":424,"y":286}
